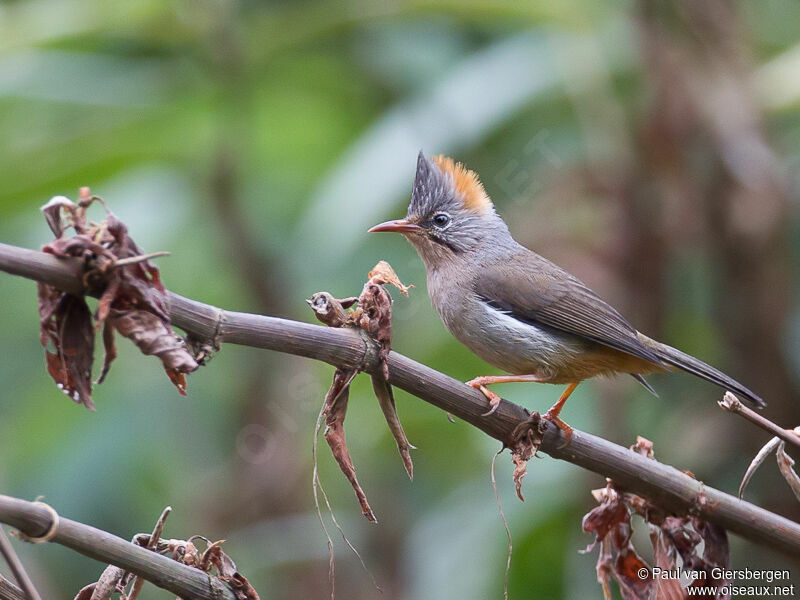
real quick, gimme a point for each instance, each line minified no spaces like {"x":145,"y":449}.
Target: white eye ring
{"x":441,"y":220}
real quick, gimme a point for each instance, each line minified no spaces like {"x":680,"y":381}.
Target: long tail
{"x":690,"y":364}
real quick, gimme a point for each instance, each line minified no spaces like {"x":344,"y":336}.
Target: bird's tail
{"x":680,"y":360}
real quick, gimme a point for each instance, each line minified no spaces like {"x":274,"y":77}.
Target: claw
{"x":494,"y":399}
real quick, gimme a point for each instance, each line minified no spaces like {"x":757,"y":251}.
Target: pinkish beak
{"x":398,"y":226}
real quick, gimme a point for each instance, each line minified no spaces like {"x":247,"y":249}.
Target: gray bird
{"x":515,"y":309}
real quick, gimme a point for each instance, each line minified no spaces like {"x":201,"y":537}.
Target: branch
{"x":732,"y":404}
{"x":34,"y":520}
{"x":8,"y":591}
{"x":17,"y":568}
{"x":348,"y":349}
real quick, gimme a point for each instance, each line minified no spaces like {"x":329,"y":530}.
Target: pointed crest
{"x":429,"y":184}
{"x":467,"y":185}
{"x":441,"y":182}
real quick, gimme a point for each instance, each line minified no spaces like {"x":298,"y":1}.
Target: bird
{"x":517,"y":310}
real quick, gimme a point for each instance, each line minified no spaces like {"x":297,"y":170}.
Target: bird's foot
{"x":479,"y":383}
{"x":552,"y":416}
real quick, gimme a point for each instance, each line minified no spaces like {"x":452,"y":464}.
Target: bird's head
{"x":450,"y":213}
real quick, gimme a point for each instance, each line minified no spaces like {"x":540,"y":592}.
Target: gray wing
{"x":534,"y":290}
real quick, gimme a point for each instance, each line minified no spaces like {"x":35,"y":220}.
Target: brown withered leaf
{"x":664,"y":559}
{"x":610,"y":522}
{"x":385,"y":396}
{"x":629,"y":566}
{"x":52,"y":213}
{"x":154,"y":337}
{"x":227,"y":572}
{"x":131,"y":290}
{"x":672,"y":537}
{"x":607,"y":516}
{"x":373,"y":315}
{"x":110,"y":348}
{"x":383,"y":273}
{"x":68,"y":338}
{"x":716,"y":554}
{"x":786,"y":466}
{"x":335,"y":411}
{"x":525,"y":442}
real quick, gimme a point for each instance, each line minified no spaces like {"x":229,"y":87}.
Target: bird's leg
{"x":480,"y":383}
{"x":552,"y":413}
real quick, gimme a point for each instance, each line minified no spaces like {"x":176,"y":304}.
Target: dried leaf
{"x":785,"y":464}
{"x":609,"y":514}
{"x":241,"y":587}
{"x":375,"y":317}
{"x":644,"y":447}
{"x":385,"y":396}
{"x":335,"y":412}
{"x":131,"y":289}
{"x":110,"y":347}
{"x":383,"y":273}
{"x":628,"y":569}
{"x":664,"y":559}
{"x":525,"y":442}
{"x":765,"y":451}
{"x":671,"y":536}
{"x":68,"y":338}
{"x":52,"y":213}
{"x":605,"y":567}
{"x":154,"y":337}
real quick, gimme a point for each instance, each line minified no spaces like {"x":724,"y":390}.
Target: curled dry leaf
{"x":383,"y":274}
{"x":525,"y":442}
{"x":759,"y":459}
{"x":673,"y":537}
{"x":155,"y":338}
{"x":131,"y":291}
{"x":214,"y":558}
{"x":786,"y":465}
{"x":335,"y":411}
{"x":373,"y":315}
{"x":385,"y":396}
{"x":68,"y":338}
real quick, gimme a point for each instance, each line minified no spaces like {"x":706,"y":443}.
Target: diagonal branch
{"x":9,"y":591}
{"x":14,"y":563}
{"x":348,"y":349}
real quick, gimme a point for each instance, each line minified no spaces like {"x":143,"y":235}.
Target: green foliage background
{"x":258,"y":141}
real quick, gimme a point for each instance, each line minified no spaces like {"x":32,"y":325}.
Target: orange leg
{"x":480,"y":383}
{"x":552,"y":414}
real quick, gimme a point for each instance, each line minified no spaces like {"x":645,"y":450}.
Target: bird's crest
{"x":467,"y":185}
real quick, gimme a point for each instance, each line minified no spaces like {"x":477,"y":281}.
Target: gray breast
{"x":497,"y":337}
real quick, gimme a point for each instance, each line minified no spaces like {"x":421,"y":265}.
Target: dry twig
{"x":732,"y":404}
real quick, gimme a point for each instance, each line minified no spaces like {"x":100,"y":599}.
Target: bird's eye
{"x":441,"y":220}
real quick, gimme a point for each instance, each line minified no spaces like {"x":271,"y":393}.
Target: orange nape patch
{"x":466,"y":183}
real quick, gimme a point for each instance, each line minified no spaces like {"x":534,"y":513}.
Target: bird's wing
{"x":532,"y":289}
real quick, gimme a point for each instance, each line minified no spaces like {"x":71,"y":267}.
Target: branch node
{"x":51,"y":531}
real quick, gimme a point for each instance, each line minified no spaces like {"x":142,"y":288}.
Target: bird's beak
{"x":398,"y":226}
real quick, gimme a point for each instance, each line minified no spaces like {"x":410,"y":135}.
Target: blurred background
{"x":652,"y":148}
